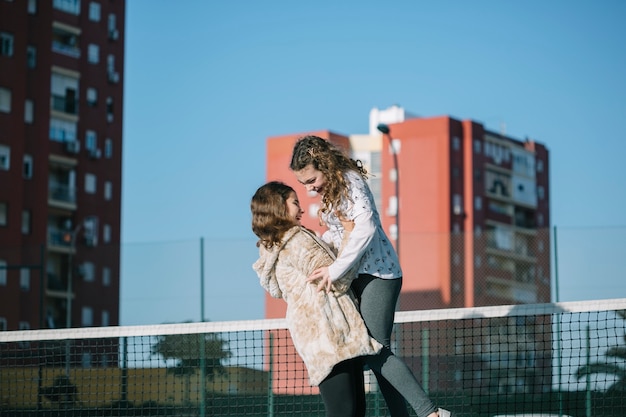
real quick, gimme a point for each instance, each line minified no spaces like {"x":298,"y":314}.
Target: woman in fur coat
{"x":326,"y":328}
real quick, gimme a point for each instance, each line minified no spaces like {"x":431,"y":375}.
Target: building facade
{"x":474,"y":225}
{"x":61,"y":95}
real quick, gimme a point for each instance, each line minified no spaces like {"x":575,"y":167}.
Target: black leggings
{"x":343,"y":391}
{"x":377,"y":300}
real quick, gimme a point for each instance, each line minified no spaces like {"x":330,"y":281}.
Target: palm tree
{"x":618,"y":352}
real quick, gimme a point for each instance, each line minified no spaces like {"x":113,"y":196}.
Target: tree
{"x":618,"y":352}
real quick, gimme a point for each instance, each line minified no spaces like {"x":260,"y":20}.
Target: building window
{"x":92,"y":97}
{"x":87,"y":316}
{"x":91,"y":231}
{"x":6,"y":44}
{"x":105,"y":318}
{"x":3,"y":213}
{"x":31,"y":56}
{"x":93,"y":53}
{"x":67,"y":6}
{"x":109,"y":109}
{"x":3,"y":324}
{"x":539,"y":165}
{"x":88,"y":271}
{"x":5,"y":100}
{"x":106,"y":233}
{"x":478,"y":203}
{"x":108,"y":148}
{"x":541,"y":193}
{"x":90,"y":183}
{"x":456,"y":143}
{"x":65,"y":40}
{"x":29,"y":111}
{"x":26,"y":222}
{"x":24,"y":325}
{"x":108,"y":190}
{"x":477,"y":146}
{"x":25,"y":279}
{"x":91,"y":140}
{"x":5,"y":158}
{"x":94,"y":11}
{"x":106,"y":277}
{"x":28,"y":167}
{"x":3,"y":273}
{"x":64,"y":93}
{"x":457,"y":204}
{"x":32,"y":7}
{"x":114,"y":34}
{"x":62,"y":130}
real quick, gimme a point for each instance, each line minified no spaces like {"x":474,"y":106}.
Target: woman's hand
{"x":322,"y":276}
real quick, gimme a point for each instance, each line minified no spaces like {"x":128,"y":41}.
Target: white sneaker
{"x":443,"y":413}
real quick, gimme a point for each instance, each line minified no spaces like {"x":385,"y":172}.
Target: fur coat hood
{"x":326,"y":328}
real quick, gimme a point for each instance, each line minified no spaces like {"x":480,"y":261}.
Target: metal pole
{"x":588,"y":376}
{"x":202,"y":340}
{"x":558,"y":326}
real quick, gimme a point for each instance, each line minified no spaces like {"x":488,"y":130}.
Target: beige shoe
{"x":443,"y":413}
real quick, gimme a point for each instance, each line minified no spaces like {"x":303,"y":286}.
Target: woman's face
{"x":293,"y":207}
{"x":311,"y":178}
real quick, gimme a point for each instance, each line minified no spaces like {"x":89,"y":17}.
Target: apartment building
{"x":61,"y":97}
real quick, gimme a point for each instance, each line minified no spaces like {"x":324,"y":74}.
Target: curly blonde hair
{"x":332,"y":162}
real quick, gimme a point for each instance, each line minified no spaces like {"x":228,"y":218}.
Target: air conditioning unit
{"x":95,"y":153}
{"x":91,"y":241}
{"x":72,"y":146}
{"x":114,"y":77}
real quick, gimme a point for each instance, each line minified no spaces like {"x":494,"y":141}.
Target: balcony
{"x":62,"y":196}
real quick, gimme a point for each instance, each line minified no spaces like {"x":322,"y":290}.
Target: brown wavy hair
{"x":332,"y":162}
{"x":270,"y":219}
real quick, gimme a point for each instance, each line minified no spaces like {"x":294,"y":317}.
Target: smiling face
{"x":293,"y":207}
{"x":311,"y":178}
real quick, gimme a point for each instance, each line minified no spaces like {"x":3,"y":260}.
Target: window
{"x":24,"y":325}
{"x":106,"y":233}
{"x":106,"y":277}
{"x":105,"y":318}
{"x":477,"y":146}
{"x":87,"y":316}
{"x":26,"y":222}
{"x":68,"y":6}
{"x":92,"y":97}
{"x":478,"y":203}
{"x":90,"y":183}
{"x":62,"y":130}
{"x":3,"y":213}
{"x":456,"y":143}
{"x":113,"y":76}
{"x":109,"y":109}
{"x":5,"y":158}
{"x":91,"y":140}
{"x":31,"y":56}
{"x":5,"y":100}
{"x":32,"y":7}
{"x":108,"y":190}
{"x":65,"y":40}
{"x":541,"y":193}
{"x":64,"y":90}
{"x":3,"y":273}
{"x":392,"y":207}
{"x":6,"y":44}
{"x":457,"y":204}
{"x":94,"y":11}
{"x":3,"y":324}
{"x":88,"y":271}
{"x":539,"y":165}
{"x":93,"y":53}
{"x":91,"y":231}
{"x":25,"y":279}
{"x":108,"y":148}
{"x":29,"y":111}
{"x":28,"y":167}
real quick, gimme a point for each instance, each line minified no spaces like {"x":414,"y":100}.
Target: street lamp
{"x":384,"y":129}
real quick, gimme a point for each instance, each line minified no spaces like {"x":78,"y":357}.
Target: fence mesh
{"x":559,"y":358}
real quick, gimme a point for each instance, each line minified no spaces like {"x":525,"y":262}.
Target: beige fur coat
{"x":325,"y":328}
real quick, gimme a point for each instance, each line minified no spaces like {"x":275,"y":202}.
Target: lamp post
{"x":384,"y":129}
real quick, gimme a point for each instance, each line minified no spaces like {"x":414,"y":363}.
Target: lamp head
{"x":383,"y":128}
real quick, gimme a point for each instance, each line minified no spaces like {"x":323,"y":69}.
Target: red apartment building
{"x":61,"y":91}
{"x":474,"y":224}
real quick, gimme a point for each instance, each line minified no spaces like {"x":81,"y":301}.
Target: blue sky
{"x":207,"y":82}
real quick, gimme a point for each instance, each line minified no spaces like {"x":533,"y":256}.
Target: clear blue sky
{"x":206,"y":83}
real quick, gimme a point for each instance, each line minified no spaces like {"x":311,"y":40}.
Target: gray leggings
{"x":377,"y":298}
